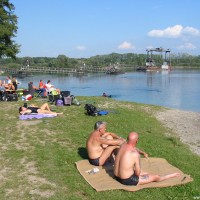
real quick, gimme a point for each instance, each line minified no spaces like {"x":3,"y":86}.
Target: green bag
{"x":54,"y":92}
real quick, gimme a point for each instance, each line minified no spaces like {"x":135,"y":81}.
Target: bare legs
{"x":106,"y":154}
{"x":58,"y":90}
{"x":45,"y":106}
{"x":45,"y":109}
{"x":148,"y":178}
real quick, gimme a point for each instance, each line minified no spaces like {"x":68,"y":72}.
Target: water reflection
{"x":158,"y":78}
{"x":175,"y":89}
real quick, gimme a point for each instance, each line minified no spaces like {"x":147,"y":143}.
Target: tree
{"x":62,"y":61}
{"x":8,"y":30}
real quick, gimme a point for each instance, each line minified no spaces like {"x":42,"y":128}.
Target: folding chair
{"x":38,"y":93}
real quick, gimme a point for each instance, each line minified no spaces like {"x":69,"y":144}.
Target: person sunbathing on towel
{"x":101,"y":144}
{"x":127,"y":169}
{"x":44,"y":109}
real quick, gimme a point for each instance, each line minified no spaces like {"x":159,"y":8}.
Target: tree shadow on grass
{"x":82,"y":151}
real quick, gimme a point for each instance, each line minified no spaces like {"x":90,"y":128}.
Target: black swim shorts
{"x":133,"y":180}
{"x":94,"y":161}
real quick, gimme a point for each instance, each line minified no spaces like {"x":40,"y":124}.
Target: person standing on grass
{"x":101,"y":144}
{"x":127,"y":168}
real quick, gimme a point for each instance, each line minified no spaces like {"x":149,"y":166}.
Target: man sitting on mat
{"x":101,"y":144}
{"x":127,"y":169}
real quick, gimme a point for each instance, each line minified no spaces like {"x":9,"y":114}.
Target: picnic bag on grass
{"x":91,"y":110}
{"x":2,"y":96}
{"x":11,"y":97}
{"x":59,"y":102}
{"x":67,"y":101}
{"x":65,"y":93}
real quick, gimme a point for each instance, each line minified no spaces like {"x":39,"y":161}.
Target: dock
{"x":25,"y":70}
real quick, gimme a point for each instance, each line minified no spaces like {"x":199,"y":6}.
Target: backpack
{"x":59,"y":102}
{"x":91,"y":110}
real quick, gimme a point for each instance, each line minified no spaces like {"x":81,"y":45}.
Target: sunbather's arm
{"x":32,"y":105}
{"x":142,"y":153}
{"x":112,"y":134}
{"x":25,"y":112}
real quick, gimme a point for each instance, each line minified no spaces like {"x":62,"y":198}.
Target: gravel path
{"x":185,"y":124}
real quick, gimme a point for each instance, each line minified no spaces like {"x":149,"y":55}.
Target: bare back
{"x":125,"y":162}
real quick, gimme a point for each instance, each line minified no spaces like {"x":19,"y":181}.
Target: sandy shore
{"x":185,"y":124}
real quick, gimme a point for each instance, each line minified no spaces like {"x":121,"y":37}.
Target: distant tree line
{"x":9,"y":49}
{"x":129,"y":60}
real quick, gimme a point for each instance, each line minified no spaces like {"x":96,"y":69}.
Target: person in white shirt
{"x":51,"y":87}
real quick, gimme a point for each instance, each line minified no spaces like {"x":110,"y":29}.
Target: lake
{"x":178,"y":89}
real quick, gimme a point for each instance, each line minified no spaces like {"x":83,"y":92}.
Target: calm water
{"x":177,"y":89}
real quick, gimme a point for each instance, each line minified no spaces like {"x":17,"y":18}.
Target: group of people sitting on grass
{"x":12,"y":84}
{"x":9,"y":84}
{"x":106,"y":147}
{"x":48,"y":87}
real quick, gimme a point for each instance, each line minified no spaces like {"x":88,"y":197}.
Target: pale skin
{"x":48,"y":85}
{"x":102,"y":144}
{"x":44,"y":109}
{"x":7,"y":86}
{"x":127,"y":163}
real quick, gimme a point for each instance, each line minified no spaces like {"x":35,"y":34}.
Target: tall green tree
{"x":8,"y":30}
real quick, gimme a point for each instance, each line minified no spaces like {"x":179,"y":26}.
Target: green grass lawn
{"x":37,"y":159}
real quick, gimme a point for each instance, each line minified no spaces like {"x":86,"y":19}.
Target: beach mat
{"x":36,"y":116}
{"x":103,"y":180}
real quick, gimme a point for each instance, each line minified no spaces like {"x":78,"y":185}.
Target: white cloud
{"x":81,"y":48}
{"x":126,"y":45}
{"x":187,"y":46}
{"x":174,"y":32}
{"x":191,"y":31}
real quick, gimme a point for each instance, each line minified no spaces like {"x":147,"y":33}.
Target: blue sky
{"x":85,"y":28}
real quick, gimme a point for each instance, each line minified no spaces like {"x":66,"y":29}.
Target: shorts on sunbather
{"x":94,"y":161}
{"x":133,"y":180}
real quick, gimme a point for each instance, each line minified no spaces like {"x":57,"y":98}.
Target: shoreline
{"x":186,"y":124}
